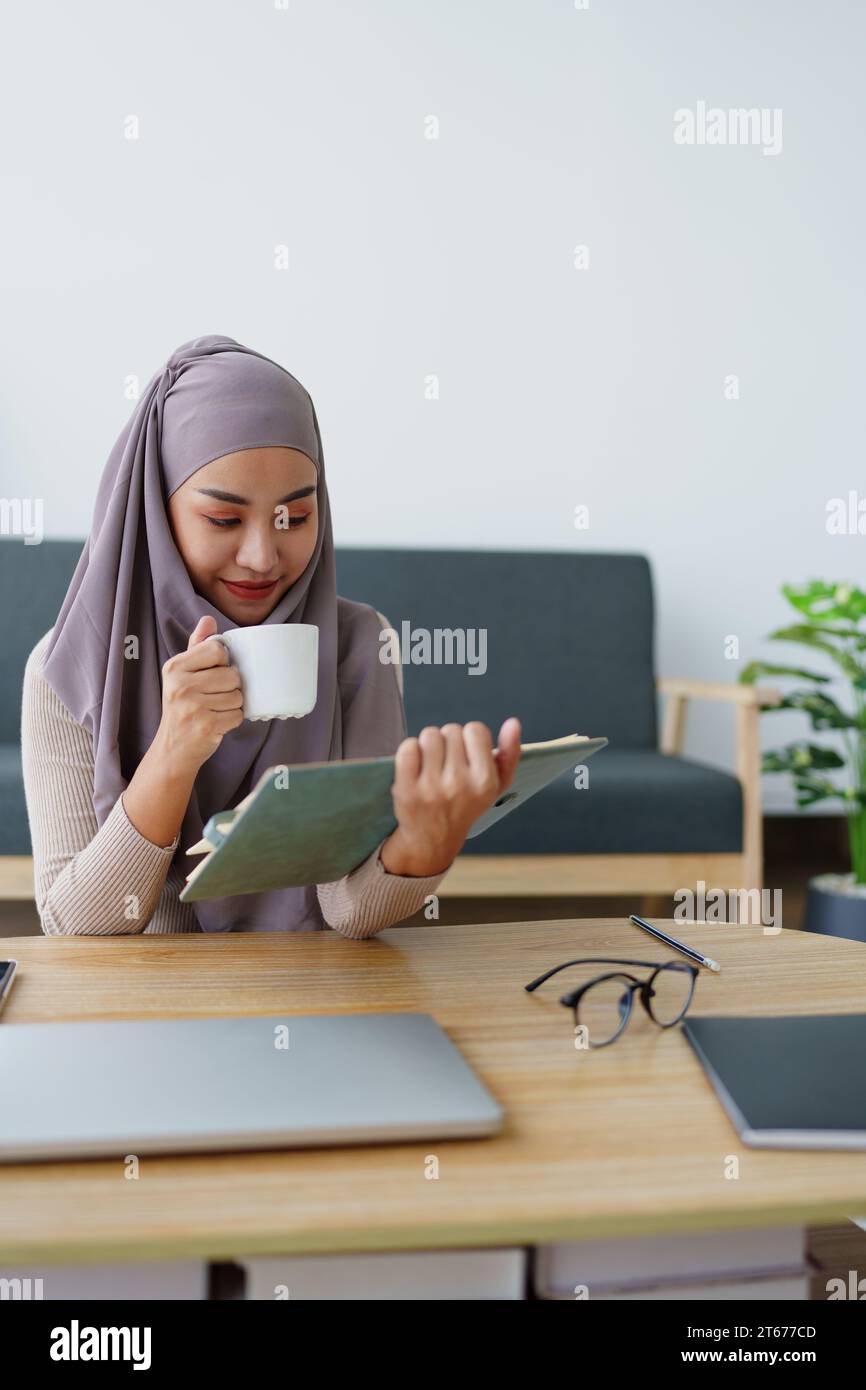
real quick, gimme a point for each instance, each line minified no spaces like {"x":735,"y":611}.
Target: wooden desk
{"x":626,"y":1140}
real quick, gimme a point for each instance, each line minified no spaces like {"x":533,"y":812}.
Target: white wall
{"x":410,"y":256}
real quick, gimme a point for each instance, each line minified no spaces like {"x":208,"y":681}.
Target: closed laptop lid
{"x":84,"y":1089}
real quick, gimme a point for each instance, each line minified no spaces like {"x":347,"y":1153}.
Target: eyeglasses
{"x":603,"y":1006}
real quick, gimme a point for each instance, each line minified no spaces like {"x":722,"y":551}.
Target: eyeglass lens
{"x":605,"y":1007}
{"x":671,"y":992}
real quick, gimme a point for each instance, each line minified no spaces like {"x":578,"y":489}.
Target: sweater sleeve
{"x":370,"y":899}
{"x":89,"y":880}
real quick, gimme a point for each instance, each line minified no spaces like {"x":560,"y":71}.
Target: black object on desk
{"x":788,"y":1083}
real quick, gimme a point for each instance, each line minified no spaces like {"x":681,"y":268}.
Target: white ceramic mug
{"x":279,"y":667}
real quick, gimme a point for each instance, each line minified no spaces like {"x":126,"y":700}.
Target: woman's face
{"x":248,"y":519}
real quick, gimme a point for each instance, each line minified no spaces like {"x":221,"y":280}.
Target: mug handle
{"x":218,"y":637}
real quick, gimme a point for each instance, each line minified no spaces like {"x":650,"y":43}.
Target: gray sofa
{"x":569,"y":649}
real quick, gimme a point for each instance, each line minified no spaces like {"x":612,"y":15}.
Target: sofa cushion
{"x":639,"y":803}
{"x":636,"y":802}
{"x":569,"y":637}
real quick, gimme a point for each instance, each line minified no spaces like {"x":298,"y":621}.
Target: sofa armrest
{"x":748,"y":700}
{"x":683,"y":688}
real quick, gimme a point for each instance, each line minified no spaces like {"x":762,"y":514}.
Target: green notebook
{"x":315,"y":822}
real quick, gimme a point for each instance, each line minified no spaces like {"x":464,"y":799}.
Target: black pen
{"x":670,"y":941}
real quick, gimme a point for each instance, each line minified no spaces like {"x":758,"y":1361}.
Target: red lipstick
{"x":248,"y":590}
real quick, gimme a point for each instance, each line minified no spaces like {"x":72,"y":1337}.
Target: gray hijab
{"x":212,"y":397}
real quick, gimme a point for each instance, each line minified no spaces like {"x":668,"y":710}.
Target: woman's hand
{"x":201,"y":699}
{"x":443,"y":780}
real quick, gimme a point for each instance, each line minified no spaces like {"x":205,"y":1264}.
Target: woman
{"x":213,"y":513}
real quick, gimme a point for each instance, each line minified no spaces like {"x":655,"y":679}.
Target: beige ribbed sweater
{"x":110,"y":880}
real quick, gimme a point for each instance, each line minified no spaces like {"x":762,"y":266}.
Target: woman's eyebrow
{"x":244,"y":501}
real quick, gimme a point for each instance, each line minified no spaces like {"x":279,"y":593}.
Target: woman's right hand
{"x":202,"y":698}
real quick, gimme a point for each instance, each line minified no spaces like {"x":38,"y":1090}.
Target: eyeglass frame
{"x":572,"y":999}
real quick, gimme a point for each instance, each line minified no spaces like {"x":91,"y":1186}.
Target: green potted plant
{"x":832,"y":625}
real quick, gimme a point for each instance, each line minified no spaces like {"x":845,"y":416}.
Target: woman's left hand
{"x":443,"y":780}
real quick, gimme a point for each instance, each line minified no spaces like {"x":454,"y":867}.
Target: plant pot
{"x":836,"y":906}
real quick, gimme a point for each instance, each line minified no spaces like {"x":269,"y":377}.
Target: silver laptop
{"x":77,"y":1090}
